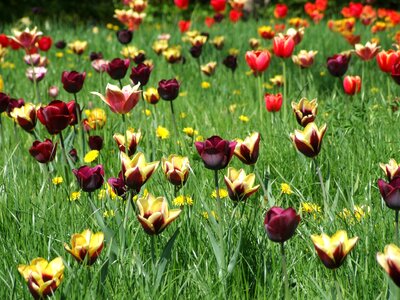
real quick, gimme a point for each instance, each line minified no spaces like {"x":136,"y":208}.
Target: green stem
{"x":80,"y":124}
{"x":153,"y":251}
{"x":284,"y":89}
{"x":65,"y":157}
{"x":120,"y":83}
{"x":174,"y":122}
{"x":337,"y":293}
{"x":260,"y":97}
{"x":284,"y":272}
{"x":321,"y":181}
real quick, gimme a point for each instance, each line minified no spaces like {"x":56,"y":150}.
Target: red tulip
{"x":215,"y":152}
{"x":118,"y":184}
{"x":181,"y":4}
{"x":73,"y":81}
{"x":273,"y":103}
{"x":218,"y":5}
{"x":396,"y":71}
{"x":183,"y":25}
{"x":4,"y":41}
{"x":44,"y":43}
{"x":168,"y":89}
{"x":386,"y":60}
{"x":73,"y":109}
{"x":55,"y":116}
{"x":43,"y":152}
{"x":338,"y":64}
{"x":390,"y":192}
{"x":90,"y":179}
{"x":235,"y":15}
{"x":280,"y":11}
{"x":258,"y":60}
{"x":209,"y":21}
{"x":283,"y":45}
{"x":280,"y":224}
{"x":352,"y":85}
{"x":95,"y":142}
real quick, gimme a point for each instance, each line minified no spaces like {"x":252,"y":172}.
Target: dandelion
{"x":91,"y":156}
{"x":309,"y":207}
{"x":147,"y":112}
{"x":205,"y":215}
{"x":205,"y":85}
{"x":199,"y":138}
{"x":244,"y":118}
{"x":109,"y":213}
{"x":232,"y":108}
{"x":222,"y":194}
{"x":57,"y":180}
{"x":361,"y":212}
{"x":182,"y":200}
{"x":75,"y":196}
{"x":183,"y":115}
{"x":189,"y":131}
{"x":285,"y":189}
{"x":162,"y":132}
{"x":236,"y":92}
{"x":59,"y":54}
{"x":109,"y":26}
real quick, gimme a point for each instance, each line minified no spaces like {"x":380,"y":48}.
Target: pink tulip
{"x":258,"y":60}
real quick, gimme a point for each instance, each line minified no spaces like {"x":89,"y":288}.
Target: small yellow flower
{"x":115,"y":28}
{"x":147,"y":112}
{"x":199,"y":138}
{"x":182,"y":200}
{"x":232,"y":108}
{"x":244,"y":118}
{"x":109,"y":26}
{"x":285,"y":189}
{"x":91,"y":156}
{"x":190,"y":131}
{"x":89,"y":74}
{"x":205,"y":85}
{"x":205,"y":215}
{"x":162,"y":132}
{"x":183,"y":94}
{"x":57,"y":180}
{"x":310,"y":208}
{"x":183,"y":115}
{"x":109,"y":213}
{"x":374,"y":90}
{"x":322,"y":73}
{"x":75,"y":196}
{"x":361,"y":212}
{"x":234,"y":51}
{"x":268,"y":86}
{"x":95,"y":30}
{"x":236,"y":92}
{"x":222,"y":194}
{"x":7,"y":65}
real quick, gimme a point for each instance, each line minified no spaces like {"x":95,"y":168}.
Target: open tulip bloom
{"x":176,"y":169}
{"x":86,"y":246}
{"x":309,"y":140}
{"x":247,"y":150}
{"x":240,"y":186}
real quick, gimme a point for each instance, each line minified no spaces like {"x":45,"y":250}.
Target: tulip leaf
{"x":219,"y":255}
{"x":233,"y":260}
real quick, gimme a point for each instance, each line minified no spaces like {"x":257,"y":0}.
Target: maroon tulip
{"x":337,"y":65}
{"x":195,"y":51}
{"x":118,"y":184}
{"x":396,"y":71}
{"x":117,"y":68}
{"x":168,"y":89}
{"x":55,"y":116}
{"x":90,"y":179}
{"x":124,"y":36}
{"x":60,"y":44}
{"x":215,"y":152}
{"x":73,"y":154}
{"x":95,"y":142}
{"x":4,"y":101}
{"x":390,"y":192}
{"x":140,"y":73}
{"x":139,"y":58}
{"x":230,"y":62}
{"x":43,"y":152}
{"x":73,"y":81}
{"x":14,"y":103}
{"x":95,"y":55}
{"x":73,"y":109}
{"x":280,"y":224}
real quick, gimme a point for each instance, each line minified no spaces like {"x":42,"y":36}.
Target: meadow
{"x":216,"y":248}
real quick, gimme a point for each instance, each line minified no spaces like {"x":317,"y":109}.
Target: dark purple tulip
{"x":124,"y":36}
{"x":60,"y":44}
{"x":73,"y":81}
{"x":118,"y":184}
{"x":95,"y":142}
{"x":390,"y":192}
{"x":206,"y":34}
{"x":396,"y":71}
{"x":218,"y":18}
{"x":168,"y":89}
{"x":4,"y":101}
{"x":73,"y":109}
{"x":90,"y":179}
{"x":140,"y":73}
{"x":230,"y":62}
{"x":55,"y":116}
{"x":215,"y":152}
{"x":95,"y":55}
{"x":280,"y":224}
{"x":14,"y":103}
{"x":43,"y":152}
{"x":74,"y":155}
{"x":139,"y":58}
{"x":337,"y":65}
{"x":195,"y":51}
{"x":117,"y":68}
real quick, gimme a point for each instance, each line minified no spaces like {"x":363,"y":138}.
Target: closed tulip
{"x":387,"y":59}
{"x":352,"y":85}
{"x":390,"y":192}
{"x":43,"y":277}
{"x":304,"y":59}
{"x":230,"y":62}
{"x":151,"y":96}
{"x":305,"y":111}
{"x":181,"y":4}
{"x":44,"y":43}
{"x":140,"y":74}
{"x":55,"y":116}
{"x":333,"y":250}
{"x":367,"y":52}
{"x":258,"y":60}
{"x":95,"y":142}
{"x":265,"y":32}
{"x":390,"y":262}
{"x":391,"y":169}
{"x":240,"y":186}
{"x":209,"y":68}
{"x":280,"y":11}
{"x":89,"y":179}
{"x":273,"y":103}
{"x":128,"y":143}
{"x":120,"y":101}
{"x":25,"y":116}
{"x":118,"y":184}
{"x":396,"y":71}
{"x":215,"y":152}
{"x":176,"y":169}
{"x":296,"y":34}
{"x":280,"y":224}
{"x":309,"y":140}
{"x":168,"y":89}
{"x":117,"y":68}
{"x":283,"y":45}
{"x":86,"y":246}
{"x":43,"y":152}
{"x":338,"y":64}
{"x":247,"y":150}
{"x":124,"y":36}
{"x":137,"y":171}
{"x":36,"y":74}
{"x":73,"y":81}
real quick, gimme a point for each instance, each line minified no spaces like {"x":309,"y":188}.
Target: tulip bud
{"x":141,"y":73}
{"x":73,"y":81}
{"x":90,"y":179}
{"x":176,"y":169}
{"x":128,"y":143}
{"x":25,"y":116}
{"x":44,"y":43}
{"x":124,"y":36}
{"x":215,"y":152}
{"x":195,"y":51}
{"x":283,"y":45}
{"x":60,"y":44}
{"x":117,"y":68}
{"x":258,"y":61}
{"x":280,"y":11}
{"x":240,"y":186}
{"x":352,"y":85}
{"x":53,"y":91}
{"x":280,"y":224}
{"x":273,"y":102}
{"x":390,"y":262}
{"x":209,"y":69}
{"x":309,"y":140}
{"x":86,"y":246}
{"x":247,"y":150}
{"x":390,"y":192}
{"x":95,"y":142}
{"x":139,"y":57}
{"x":337,"y":65}
{"x":230,"y":62}
{"x":151,"y":95}
{"x":168,"y":89}
{"x":95,"y":56}
{"x":36,"y":74}
{"x":43,"y":152}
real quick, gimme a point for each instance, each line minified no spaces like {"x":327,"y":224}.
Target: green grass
{"x":36,"y":217}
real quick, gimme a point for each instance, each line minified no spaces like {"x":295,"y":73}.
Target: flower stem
{"x":284,"y":89}
{"x":78,"y":116}
{"x":65,"y":157}
{"x":260,"y":96}
{"x":120,"y":83}
{"x":321,"y":181}
{"x":284,"y":272}
{"x":397,"y":226}
{"x":153,"y":251}
{"x":217,"y":193}
{"x":174,"y":122}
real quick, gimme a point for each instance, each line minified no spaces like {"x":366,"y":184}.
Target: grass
{"x":232,"y":258}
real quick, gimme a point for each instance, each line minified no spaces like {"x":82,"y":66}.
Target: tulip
{"x":230,"y":62}
{"x":305,"y":111}
{"x":390,"y":262}
{"x":118,"y":184}
{"x":95,"y":55}
{"x":128,"y":143}
{"x":235,"y":16}
{"x":4,"y":102}
{"x":352,"y":85}
{"x":73,"y":154}
{"x":296,"y":34}
{"x":36,"y":73}
{"x":304,"y":59}
{"x":283,"y":45}
{"x":396,"y":71}
{"x":209,"y":68}
{"x":280,"y":11}
{"x":218,"y":42}
{"x":215,"y":152}
{"x":154,"y":215}
{"x":78,"y":47}
{"x":160,"y":46}
{"x":387,"y":59}
{"x":95,"y":142}
{"x":43,"y":277}
{"x":44,"y":43}
{"x":176,"y":169}
{"x":309,"y":140}
{"x":218,"y":5}
{"x":390,"y":192}
{"x":168,"y":89}
{"x":100,"y":65}
{"x":86,"y":246}
{"x":25,"y":116}
{"x":182,"y":4}
{"x":247,"y":150}
{"x":32,"y":59}
{"x":258,"y":60}
{"x":255,"y":43}
{"x":55,"y":116}
{"x":136,"y":171}
{"x":273,"y":102}
{"x":53,"y":92}
{"x":195,"y":51}
{"x":392,"y":169}
{"x":337,"y":64}
{"x":89,"y":179}
{"x":141,"y":74}
{"x":240,"y":186}
{"x":151,"y":95}
{"x":27,"y":38}
{"x":265,"y":32}
{"x":367,"y":52}
{"x":333,"y":250}
{"x":280,"y":224}
{"x":73,"y":81}
{"x":74,"y":110}
{"x":172,"y":55}
{"x":120,"y":101}
{"x":124,"y":36}
{"x":14,"y":103}
{"x":60,"y":44}
{"x":96,"y":119}
{"x":43,"y":152}
{"x":117,"y":68}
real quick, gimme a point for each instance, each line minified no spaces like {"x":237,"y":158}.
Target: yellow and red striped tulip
{"x":247,"y":150}
{"x":128,"y":143}
{"x":86,"y":246}
{"x":209,"y":68}
{"x":309,"y":140}
{"x":305,"y":111}
{"x":176,"y":169}
{"x":25,"y":116}
{"x":392,"y":169}
{"x":390,"y":261}
{"x":240,"y":186}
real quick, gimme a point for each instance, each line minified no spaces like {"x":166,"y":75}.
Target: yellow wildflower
{"x":222,"y":194}
{"x":162,"y":132}
{"x":190,"y":131}
{"x":95,"y":30}
{"x":183,"y":115}
{"x":322,"y":73}
{"x":109,"y":213}
{"x":285,"y":189}
{"x":205,"y":215}
{"x":232,"y":108}
{"x":147,"y":112}
{"x":268,"y":86}
{"x":182,"y":200}
{"x":310,"y":208}
{"x":182,"y":94}
{"x":91,"y":156}
{"x":361,"y":211}
{"x":236,"y":92}
{"x":199,"y":138}
{"x":75,"y":196}
{"x":57,"y":180}
{"x":115,"y":28}
{"x":374,"y":90}
{"x":109,"y":26}
{"x":244,"y":118}
{"x":205,"y":85}
{"x":1,"y":84}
